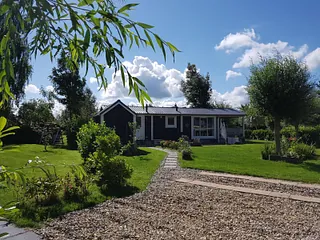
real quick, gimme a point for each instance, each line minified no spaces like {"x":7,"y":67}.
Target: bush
{"x":307,"y":135}
{"x":262,"y":134}
{"x":111,"y":172}
{"x":75,"y":186}
{"x":267,"y":150}
{"x":87,"y":138}
{"x":186,"y":154}
{"x":130,"y":149}
{"x":302,"y":151}
{"x":248,"y":134}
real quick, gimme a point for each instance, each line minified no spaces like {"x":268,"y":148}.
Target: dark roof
{"x":181,"y":110}
{"x":186,"y":111}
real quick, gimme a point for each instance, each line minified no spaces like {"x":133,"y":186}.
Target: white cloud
{"x":313,"y":59}
{"x":159,"y":81}
{"x":31,"y":88}
{"x":93,"y":80}
{"x":232,"y":74}
{"x":252,"y":56}
{"x":49,"y":88}
{"x":238,"y":40}
{"x":235,"y":98}
{"x":254,"y":49}
{"x":58,"y":108}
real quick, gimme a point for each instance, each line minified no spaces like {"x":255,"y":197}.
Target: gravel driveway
{"x":171,"y":210}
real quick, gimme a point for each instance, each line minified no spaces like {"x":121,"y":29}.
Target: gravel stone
{"x":172,"y":210}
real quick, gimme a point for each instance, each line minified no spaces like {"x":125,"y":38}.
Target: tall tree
{"x":35,"y":112}
{"x":280,"y":87}
{"x":20,"y":60}
{"x":68,"y":86}
{"x":196,"y":88}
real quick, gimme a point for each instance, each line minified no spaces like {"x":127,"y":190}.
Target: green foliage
{"x":81,"y":29}
{"x":169,"y":144}
{"x":302,"y":151}
{"x":88,"y":135}
{"x":262,"y":134}
{"x":185,"y":149}
{"x":196,"y":88}
{"x":76,"y":186}
{"x":111,"y":173}
{"x":280,"y":87}
{"x":307,"y":134}
{"x":20,"y":58}
{"x":267,"y":150}
{"x":109,"y":144}
{"x":35,"y":112}
{"x":130,"y":149}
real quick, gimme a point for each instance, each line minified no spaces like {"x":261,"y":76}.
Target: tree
{"x":280,"y":87}
{"x":85,"y":29}
{"x":196,"y":88}
{"x":35,"y":112}
{"x":68,"y":86}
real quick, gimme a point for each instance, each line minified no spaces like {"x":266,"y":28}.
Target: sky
{"x":221,"y":37}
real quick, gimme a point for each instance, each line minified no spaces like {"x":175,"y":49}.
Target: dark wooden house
{"x":168,"y":123}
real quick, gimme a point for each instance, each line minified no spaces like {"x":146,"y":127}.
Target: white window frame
{"x":175,"y":122}
{"x":204,"y":137}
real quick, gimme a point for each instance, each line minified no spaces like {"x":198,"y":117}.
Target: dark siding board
{"x":118,"y":118}
{"x":161,"y":132}
{"x":148,"y":128}
{"x":187,"y":126}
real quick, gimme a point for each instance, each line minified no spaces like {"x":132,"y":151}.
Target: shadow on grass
{"x":61,"y":147}
{"x":10,"y":147}
{"x":141,"y":152}
{"x":121,"y":191}
{"x":312,"y":166}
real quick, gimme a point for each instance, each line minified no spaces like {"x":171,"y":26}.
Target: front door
{"x":140,"y":127}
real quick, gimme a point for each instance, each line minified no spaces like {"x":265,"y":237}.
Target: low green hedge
{"x":307,"y":134}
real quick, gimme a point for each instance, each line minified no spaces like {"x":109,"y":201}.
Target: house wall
{"x":161,"y":132}
{"x":187,"y":126}
{"x":148,"y":128}
{"x":118,"y":118}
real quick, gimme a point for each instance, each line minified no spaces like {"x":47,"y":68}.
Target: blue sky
{"x":217,"y":36}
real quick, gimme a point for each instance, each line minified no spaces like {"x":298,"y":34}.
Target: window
{"x":138,"y":122}
{"x":171,"y":122}
{"x":203,"y":127}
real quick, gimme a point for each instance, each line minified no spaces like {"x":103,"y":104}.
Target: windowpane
{"x":196,"y":132}
{"x":210,"y":122}
{"x":210,"y":132}
{"x":170,"y":120}
{"x":196,"y":122}
{"x":203,"y":123}
{"x":203,"y":132}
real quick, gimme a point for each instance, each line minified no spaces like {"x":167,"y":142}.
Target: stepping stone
{"x":250,"y":190}
{"x":170,"y":166}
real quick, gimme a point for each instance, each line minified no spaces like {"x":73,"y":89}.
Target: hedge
{"x":308,"y":135}
{"x":23,"y":135}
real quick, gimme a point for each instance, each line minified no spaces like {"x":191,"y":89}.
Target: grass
{"x":246,"y":160}
{"x":14,"y":157}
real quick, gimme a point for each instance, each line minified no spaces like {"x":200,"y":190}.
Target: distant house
{"x":169,"y":123}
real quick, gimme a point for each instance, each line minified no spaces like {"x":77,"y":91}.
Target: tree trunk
{"x":277,"y":134}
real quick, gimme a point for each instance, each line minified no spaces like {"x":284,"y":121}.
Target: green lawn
{"x":14,"y":157}
{"x":246,"y":159}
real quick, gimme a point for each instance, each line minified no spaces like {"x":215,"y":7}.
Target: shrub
{"x":162,"y":143}
{"x":267,"y":150}
{"x":174,"y":145}
{"x":111,"y":172}
{"x":87,"y":137}
{"x":130,"y":149}
{"x":186,"y":154}
{"x":262,"y":134}
{"x":307,"y":134}
{"x":76,"y":186}
{"x":302,"y":151}
{"x":248,"y":134}
{"x":23,"y":135}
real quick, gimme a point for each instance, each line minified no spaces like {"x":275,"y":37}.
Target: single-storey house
{"x":169,"y":123}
